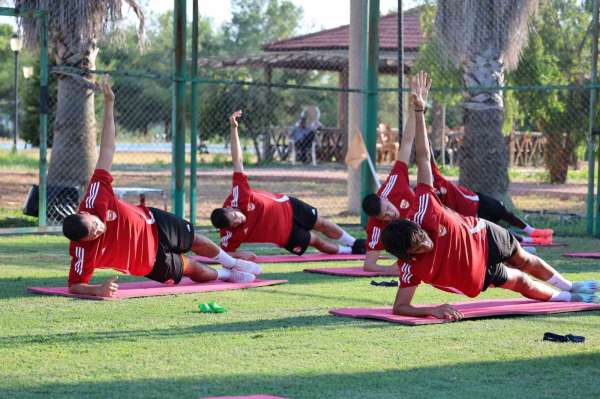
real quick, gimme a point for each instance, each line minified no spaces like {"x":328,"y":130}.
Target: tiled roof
{"x":339,"y":38}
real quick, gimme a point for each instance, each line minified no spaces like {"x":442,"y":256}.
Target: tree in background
{"x":558,"y":54}
{"x":484,"y":39}
{"x":73,"y":31}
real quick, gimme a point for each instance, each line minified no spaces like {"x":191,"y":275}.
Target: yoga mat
{"x":588,"y":255}
{"x":554,"y":244}
{"x":140,"y":289}
{"x":351,"y":272}
{"x":292,"y":258}
{"x":471,"y":310}
{"x":245,"y":397}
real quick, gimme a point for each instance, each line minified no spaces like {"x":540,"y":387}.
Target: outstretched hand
{"x":233,"y":118}
{"x":447,"y":311}
{"x":109,"y":287}
{"x":419,"y":90}
{"x":106,"y":89}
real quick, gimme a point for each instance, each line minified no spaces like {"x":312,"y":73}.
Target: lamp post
{"x":15,"y":45}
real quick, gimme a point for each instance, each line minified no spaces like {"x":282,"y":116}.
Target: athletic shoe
{"x":359,"y":246}
{"x":542,"y":233}
{"x":541,"y":240}
{"x":585,"y":287}
{"x":241,"y":277}
{"x":247,"y":266}
{"x":587,"y":298}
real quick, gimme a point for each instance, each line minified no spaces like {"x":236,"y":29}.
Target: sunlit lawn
{"x":278,"y":340}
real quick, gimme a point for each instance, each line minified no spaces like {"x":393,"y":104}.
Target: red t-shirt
{"x":268,"y":216}
{"x":454,"y":196}
{"x":460,"y":248}
{"x":395,"y":189}
{"x":130,"y":242}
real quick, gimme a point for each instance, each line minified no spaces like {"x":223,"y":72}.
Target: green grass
{"x":278,"y":340}
{"x":18,"y":160}
{"x":15,"y":218}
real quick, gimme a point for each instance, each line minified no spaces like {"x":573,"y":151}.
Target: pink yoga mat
{"x":554,"y":244}
{"x":152,"y":288}
{"x":588,"y":255}
{"x":292,"y":258}
{"x":471,"y":310}
{"x":351,"y":272}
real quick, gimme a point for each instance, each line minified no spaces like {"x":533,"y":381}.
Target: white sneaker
{"x":241,"y":277}
{"x":247,"y":266}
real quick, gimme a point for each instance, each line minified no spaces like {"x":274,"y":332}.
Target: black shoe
{"x":359,"y":247}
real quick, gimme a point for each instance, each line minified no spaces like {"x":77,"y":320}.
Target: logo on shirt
{"x":251,"y":206}
{"x":169,"y":282}
{"x":443,"y":190}
{"x":404,"y":204}
{"x":443,"y":231}
{"x":245,"y":230}
{"x":111,"y":215}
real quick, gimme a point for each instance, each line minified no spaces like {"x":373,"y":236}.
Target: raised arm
{"x":236,"y":149}
{"x":408,"y":135}
{"x":419,"y":87}
{"x":107,"y":141}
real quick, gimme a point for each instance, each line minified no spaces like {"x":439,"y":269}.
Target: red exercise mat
{"x":245,"y":397}
{"x":293,"y":258}
{"x":471,"y":310}
{"x":588,"y":255}
{"x":140,"y":289}
{"x":351,"y":272}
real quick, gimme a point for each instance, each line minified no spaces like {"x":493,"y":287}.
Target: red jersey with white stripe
{"x":396,"y":190}
{"x":454,"y":196}
{"x":269,"y":216}
{"x":130,"y":242}
{"x":458,"y":260}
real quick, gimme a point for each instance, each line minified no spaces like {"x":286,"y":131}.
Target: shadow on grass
{"x":540,"y":377}
{"x":253,"y":326}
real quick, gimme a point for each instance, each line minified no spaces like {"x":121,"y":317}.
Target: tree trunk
{"x":483,"y":157}
{"x":483,"y":154}
{"x":437,"y":126}
{"x":557,"y":155}
{"x":74,"y":148}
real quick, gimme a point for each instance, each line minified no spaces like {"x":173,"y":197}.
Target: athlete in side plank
{"x":462,"y":254}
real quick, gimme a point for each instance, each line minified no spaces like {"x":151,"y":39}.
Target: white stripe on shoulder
{"x":93,"y":192}
{"x":235,"y":193}
{"x":389,"y":186}
{"x":79,"y":254}
{"x":375,"y":237}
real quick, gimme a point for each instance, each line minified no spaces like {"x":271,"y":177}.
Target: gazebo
{"x":328,"y":50}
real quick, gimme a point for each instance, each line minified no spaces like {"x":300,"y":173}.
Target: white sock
{"x":528,"y":229}
{"x":561,"y":296}
{"x":560,"y":282}
{"x":342,"y":249}
{"x":225,"y":259}
{"x":223,"y":274}
{"x":527,"y":240}
{"x":346,"y":239}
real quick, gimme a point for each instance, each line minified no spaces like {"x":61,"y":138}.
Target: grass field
{"x":277,"y":340}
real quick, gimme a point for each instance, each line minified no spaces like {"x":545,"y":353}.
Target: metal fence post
{"x":592,"y":115}
{"x":178,"y":134}
{"x":194,"y":117}
{"x":43,"y":164}
{"x":370,"y":121}
{"x":400,"y":72}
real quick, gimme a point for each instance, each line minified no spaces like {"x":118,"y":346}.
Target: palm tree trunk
{"x":74,"y":148}
{"x":483,"y":155}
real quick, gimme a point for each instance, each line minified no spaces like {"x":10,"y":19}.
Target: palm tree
{"x":73,"y":30}
{"x":484,"y":38}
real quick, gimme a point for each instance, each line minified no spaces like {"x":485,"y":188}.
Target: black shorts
{"x":304,"y":219}
{"x":175,"y":237}
{"x":501,"y":246}
{"x":490,"y":208}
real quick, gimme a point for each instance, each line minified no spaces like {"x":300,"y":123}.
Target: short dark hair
{"x":372,"y":205}
{"x":219,"y":219}
{"x":399,"y":236}
{"x":74,"y":227}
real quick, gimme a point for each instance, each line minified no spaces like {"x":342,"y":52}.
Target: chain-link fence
{"x":508,"y":112}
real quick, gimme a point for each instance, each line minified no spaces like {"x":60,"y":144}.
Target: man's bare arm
{"x":403,"y":307}
{"x":419,"y":86}
{"x":370,"y":264}
{"x":107,"y":141}
{"x":236,"y":149}
{"x":108,"y":288}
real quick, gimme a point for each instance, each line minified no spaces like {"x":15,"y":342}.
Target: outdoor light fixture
{"x":16,"y":44}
